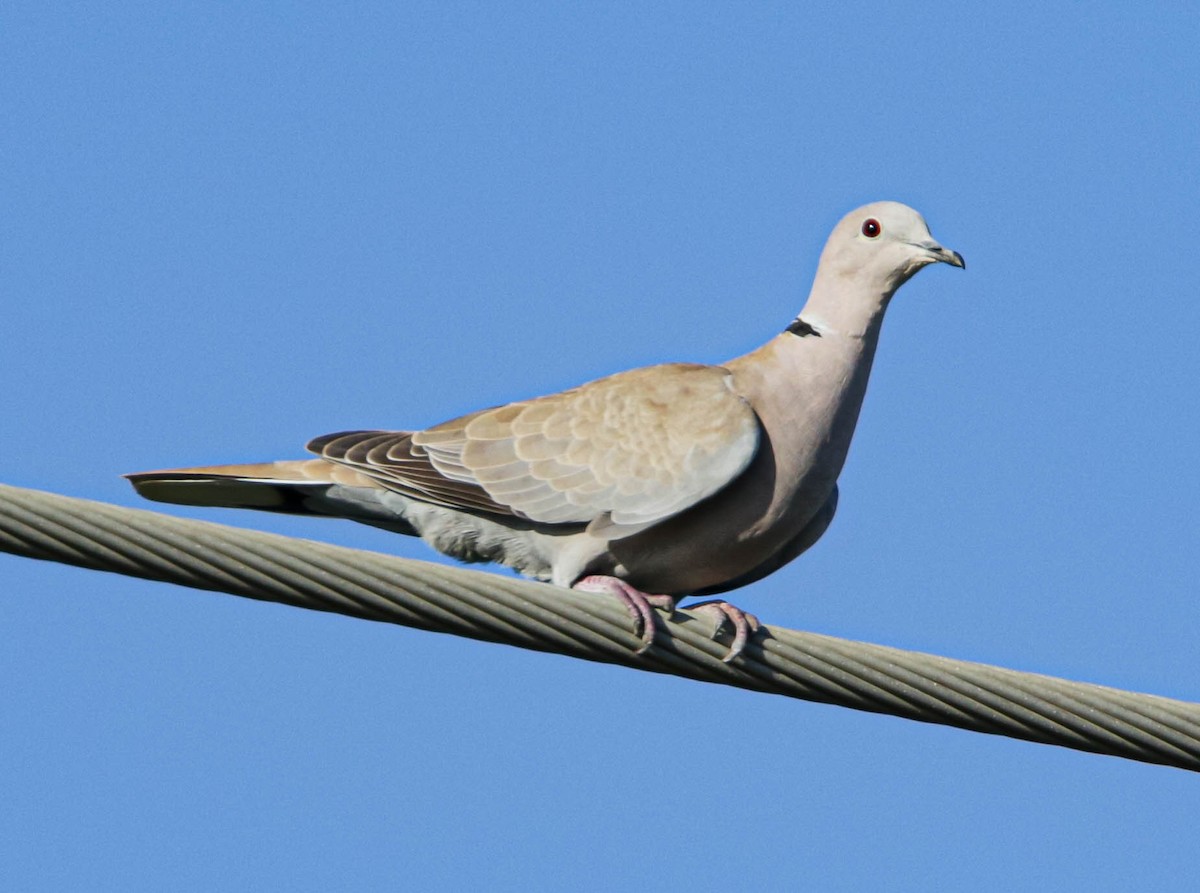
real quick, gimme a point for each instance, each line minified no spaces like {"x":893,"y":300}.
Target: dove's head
{"x":882,"y":245}
{"x":871,"y":253}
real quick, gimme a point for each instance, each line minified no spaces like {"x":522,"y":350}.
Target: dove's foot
{"x":641,"y":607}
{"x":640,"y":604}
{"x":728,"y":615}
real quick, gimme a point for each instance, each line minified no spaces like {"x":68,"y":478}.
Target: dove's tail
{"x":268,"y":486}
{"x":296,"y":487}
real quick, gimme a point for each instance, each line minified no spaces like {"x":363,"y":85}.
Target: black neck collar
{"x":802,"y":329}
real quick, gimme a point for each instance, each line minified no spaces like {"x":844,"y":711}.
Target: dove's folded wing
{"x":627,"y":450}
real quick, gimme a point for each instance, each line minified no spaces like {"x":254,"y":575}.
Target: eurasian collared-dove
{"x":679,"y":479}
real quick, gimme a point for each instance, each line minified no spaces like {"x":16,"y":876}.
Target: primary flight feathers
{"x":675,"y":479}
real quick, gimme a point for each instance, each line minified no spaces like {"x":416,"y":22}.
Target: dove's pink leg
{"x":639,"y":604}
{"x":743,"y":624}
{"x":641,"y":608}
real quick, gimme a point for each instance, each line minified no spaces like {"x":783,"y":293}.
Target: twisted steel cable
{"x":804,"y":665}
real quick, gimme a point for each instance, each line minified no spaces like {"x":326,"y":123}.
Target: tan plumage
{"x":632,"y":448}
{"x":678,"y":478}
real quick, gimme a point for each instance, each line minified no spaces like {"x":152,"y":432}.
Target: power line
{"x":453,"y":600}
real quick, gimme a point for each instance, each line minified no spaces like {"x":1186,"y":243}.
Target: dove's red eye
{"x":871,"y":228}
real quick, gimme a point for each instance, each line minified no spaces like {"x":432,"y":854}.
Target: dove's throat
{"x":853,"y":312}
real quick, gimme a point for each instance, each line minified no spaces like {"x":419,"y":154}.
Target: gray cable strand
{"x":492,"y":608}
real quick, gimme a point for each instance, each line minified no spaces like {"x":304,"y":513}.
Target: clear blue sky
{"x":226,"y":228}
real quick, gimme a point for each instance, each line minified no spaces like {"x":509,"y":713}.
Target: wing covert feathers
{"x":633,"y":448}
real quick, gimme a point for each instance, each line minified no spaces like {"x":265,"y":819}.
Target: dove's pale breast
{"x":806,"y":392}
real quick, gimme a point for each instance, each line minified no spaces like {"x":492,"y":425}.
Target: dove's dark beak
{"x":944,"y":255}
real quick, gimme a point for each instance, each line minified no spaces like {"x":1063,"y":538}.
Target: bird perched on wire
{"x":653,"y":484}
